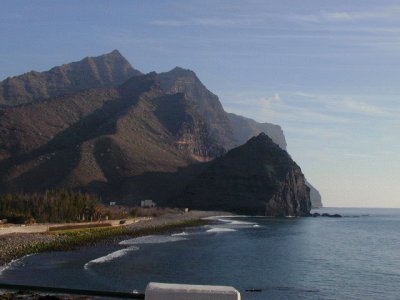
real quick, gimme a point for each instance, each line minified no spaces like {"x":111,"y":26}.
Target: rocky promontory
{"x":257,"y":178}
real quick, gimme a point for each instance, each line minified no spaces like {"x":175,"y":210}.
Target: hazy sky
{"x":326,"y":71}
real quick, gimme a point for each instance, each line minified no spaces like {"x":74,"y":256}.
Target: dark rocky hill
{"x":255,"y":178}
{"x":245,"y":128}
{"x":106,"y":70}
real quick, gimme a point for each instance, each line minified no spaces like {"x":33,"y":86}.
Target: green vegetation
{"x":70,"y":239}
{"x":51,"y":206}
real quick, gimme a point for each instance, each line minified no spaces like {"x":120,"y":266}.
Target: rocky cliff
{"x":315,"y":196}
{"x":255,"y":178}
{"x":101,"y":71}
{"x":207,"y":104}
{"x":245,"y":128}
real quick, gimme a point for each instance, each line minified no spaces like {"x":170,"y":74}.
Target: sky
{"x":326,"y":71}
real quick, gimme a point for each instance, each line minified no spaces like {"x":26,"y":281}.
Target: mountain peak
{"x":178,"y":71}
{"x":106,"y":70}
{"x":115,"y":52}
{"x":261,"y":138}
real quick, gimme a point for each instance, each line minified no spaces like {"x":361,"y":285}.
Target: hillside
{"x":102,"y":140}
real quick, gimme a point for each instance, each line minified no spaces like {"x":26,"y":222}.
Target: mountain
{"x":256,"y":178}
{"x":102,"y":71}
{"x":108,"y":140}
{"x":208,"y":105}
{"x":100,"y":126}
{"x":245,"y":128}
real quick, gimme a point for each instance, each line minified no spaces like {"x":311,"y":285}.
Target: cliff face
{"x":315,"y":196}
{"x":105,"y":70}
{"x":245,"y":128}
{"x":291,"y":198}
{"x":206,"y":103}
{"x":255,"y":178}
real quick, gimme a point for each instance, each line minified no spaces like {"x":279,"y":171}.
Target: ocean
{"x":354,"y":257}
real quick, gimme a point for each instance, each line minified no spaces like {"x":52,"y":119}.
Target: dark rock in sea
{"x":331,"y":215}
{"x":258,"y":178}
{"x":336,"y":216}
{"x":316,"y":215}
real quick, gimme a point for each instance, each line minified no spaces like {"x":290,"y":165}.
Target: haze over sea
{"x":354,"y":257}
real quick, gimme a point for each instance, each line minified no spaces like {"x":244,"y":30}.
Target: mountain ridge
{"x":101,"y":71}
{"x":118,"y":139}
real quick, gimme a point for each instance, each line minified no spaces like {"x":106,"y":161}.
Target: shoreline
{"x":16,"y":245}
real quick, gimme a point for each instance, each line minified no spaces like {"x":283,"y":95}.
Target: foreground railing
{"x":53,"y":290}
{"x":154,"y":291}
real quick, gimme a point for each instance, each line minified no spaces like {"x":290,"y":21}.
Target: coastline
{"x":17,"y":245}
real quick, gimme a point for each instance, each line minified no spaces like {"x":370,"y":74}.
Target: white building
{"x":147,"y":203}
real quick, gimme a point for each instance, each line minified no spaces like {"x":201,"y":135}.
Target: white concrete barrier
{"x":167,"y":291}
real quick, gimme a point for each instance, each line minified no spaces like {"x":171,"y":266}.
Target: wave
{"x":180,"y":234}
{"x":14,"y":263}
{"x":152,"y":239}
{"x":221,"y":229}
{"x":242,"y":223}
{"x":111,"y":256}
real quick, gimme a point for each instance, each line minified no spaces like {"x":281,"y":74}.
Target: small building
{"x":147,"y":203}
{"x":113,"y":203}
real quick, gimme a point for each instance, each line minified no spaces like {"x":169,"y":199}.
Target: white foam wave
{"x":4,"y":268}
{"x":221,"y":229}
{"x":224,"y":220}
{"x":256,"y":226}
{"x":111,"y":256}
{"x":152,"y":239}
{"x":180,"y":234}
{"x":14,"y":263}
{"x":242,"y":223}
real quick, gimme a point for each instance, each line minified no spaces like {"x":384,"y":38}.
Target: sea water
{"x":354,"y":257}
